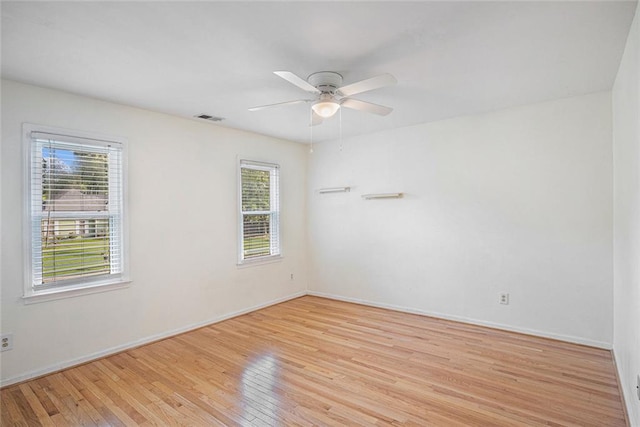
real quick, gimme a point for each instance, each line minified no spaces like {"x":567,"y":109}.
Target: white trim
{"x":73,"y":133}
{"x":627,"y":400}
{"x":27,"y":268}
{"x":274,"y":169}
{"x":258,"y":165}
{"x":147,"y":340}
{"x":462,"y":319}
{"x":156,"y":337}
{"x":69,"y":292}
{"x":30,"y":295}
{"x":252,"y":262}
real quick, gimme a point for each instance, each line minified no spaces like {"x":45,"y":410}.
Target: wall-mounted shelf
{"x":334,"y":190}
{"x":382,"y":196}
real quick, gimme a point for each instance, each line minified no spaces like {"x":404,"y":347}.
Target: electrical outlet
{"x":6,"y":341}
{"x":291,"y":276}
{"x":638,"y":387}
{"x":504,"y":299}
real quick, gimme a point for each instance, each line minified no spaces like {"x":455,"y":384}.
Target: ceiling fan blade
{"x":315,"y":119}
{"x":295,"y":80}
{"x":368,"y":84}
{"x":279,"y":104}
{"x":368,"y":107}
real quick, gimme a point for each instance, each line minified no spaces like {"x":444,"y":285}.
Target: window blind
{"x":76,"y":207}
{"x":260,"y":210}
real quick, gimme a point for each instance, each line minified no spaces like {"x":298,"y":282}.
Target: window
{"x":259,"y":211}
{"x":76,"y":211}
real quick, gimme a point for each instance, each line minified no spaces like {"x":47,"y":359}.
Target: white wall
{"x":626,"y":276}
{"x":516,"y":201}
{"x":183,"y":195}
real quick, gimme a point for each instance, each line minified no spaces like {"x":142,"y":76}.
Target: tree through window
{"x":260,"y":210}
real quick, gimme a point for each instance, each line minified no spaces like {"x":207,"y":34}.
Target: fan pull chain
{"x":310,"y":130}
{"x":340,"y":127}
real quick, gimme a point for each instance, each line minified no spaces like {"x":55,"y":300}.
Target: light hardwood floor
{"x":314,"y":361}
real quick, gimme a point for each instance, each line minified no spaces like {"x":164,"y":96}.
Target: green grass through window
{"x":255,"y":246}
{"x":77,"y":256}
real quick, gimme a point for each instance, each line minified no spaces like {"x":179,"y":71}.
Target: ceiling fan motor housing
{"x":325,"y":81}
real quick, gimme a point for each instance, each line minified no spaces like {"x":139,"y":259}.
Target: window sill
{"x":70,"y":292}
{"x":259,"y":261}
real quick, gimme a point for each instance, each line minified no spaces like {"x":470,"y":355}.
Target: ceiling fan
{"x":331,"y":95}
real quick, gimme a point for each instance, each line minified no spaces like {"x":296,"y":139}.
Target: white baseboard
{"x":627,"y":401}
{"x":559,"y":337}
{"x":113,"y":350}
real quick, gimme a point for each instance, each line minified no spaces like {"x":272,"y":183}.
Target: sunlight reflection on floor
{"x":258,"y":384}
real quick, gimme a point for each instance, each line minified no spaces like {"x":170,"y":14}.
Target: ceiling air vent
{"x":210,"y":118}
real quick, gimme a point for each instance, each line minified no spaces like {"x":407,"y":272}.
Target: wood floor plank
{"x":314,"y":361}
{"x":36,"y":406}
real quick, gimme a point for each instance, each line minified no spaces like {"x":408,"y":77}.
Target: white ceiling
{"x":187,"y":58}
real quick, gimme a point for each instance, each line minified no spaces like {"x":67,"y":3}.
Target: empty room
{"x":305,"y":213}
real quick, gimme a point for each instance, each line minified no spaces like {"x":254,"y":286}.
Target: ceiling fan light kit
{"x":325,"y":108}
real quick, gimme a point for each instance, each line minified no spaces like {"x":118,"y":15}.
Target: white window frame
{"x":276,"y":238}
{"x":86,"y":285}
